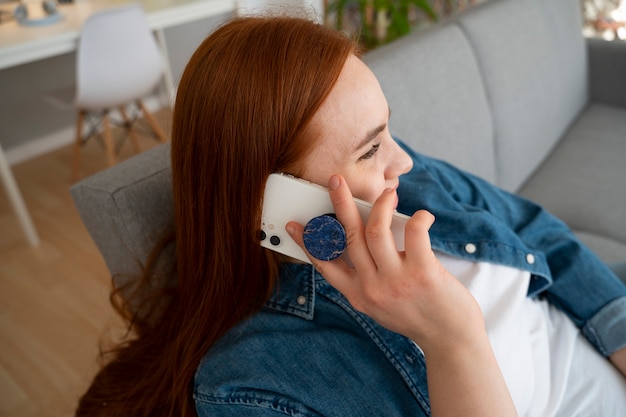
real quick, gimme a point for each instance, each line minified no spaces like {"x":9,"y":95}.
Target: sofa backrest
{"x":532,"y":56}
{"x":437,"y":98}
{"x":492,"y":90}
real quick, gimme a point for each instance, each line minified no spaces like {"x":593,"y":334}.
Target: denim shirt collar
{"x":294,"y":292}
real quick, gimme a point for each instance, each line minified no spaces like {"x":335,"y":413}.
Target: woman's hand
{"x":411,"y":293}
{"x":408,"y":292}
{"x":618,"y":359}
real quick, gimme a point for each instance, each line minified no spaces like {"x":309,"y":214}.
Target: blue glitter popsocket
{"x":324,"y":237}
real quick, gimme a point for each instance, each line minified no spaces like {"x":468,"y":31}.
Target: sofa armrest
{"x":128,"y":209}
{"x":607,"y":71}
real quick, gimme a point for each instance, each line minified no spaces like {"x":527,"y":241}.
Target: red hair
{"x":243,"y":105}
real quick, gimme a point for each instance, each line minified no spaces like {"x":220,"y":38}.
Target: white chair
{"x":118,"y":64}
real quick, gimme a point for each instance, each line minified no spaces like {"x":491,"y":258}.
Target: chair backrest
{"x":118,"y":59}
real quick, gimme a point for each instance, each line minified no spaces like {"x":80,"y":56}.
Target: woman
{"x":248,"y":332}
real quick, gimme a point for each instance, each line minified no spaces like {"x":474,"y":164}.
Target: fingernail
{"x":334,"y":182}
{"x":290,"y":229}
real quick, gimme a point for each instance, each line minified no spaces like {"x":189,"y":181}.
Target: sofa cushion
{"x":437,"y":99}
{"x":533,"y":58}
{"x":584,"y":180}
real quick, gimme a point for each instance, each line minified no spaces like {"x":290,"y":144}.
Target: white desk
{"x":23,"y":44}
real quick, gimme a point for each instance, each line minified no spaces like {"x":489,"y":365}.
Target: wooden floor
{"x":54,"y":307}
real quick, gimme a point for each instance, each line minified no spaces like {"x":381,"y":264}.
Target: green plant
{"x":378,"y":21}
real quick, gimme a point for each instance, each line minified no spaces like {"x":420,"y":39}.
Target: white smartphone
{"x":288,"y":198}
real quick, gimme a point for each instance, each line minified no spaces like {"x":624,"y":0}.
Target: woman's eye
{"x":371,"y":152}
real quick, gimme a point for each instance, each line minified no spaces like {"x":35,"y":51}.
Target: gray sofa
{"x":509,"y":90}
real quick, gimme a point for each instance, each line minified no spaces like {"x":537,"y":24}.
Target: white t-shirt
{"x":548,"y":365}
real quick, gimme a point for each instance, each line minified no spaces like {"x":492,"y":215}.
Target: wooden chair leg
{"x":133,"y":137}
{"x":152,"y":122}
{"x":108,"y":140}
{"x":78,"y":144}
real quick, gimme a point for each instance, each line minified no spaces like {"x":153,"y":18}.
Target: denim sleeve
{"x":606,"y":329}
{"x":582,"y":285}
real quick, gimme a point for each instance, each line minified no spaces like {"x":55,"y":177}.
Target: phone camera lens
{"x":275,"y":240}
{"x":262,"y":235}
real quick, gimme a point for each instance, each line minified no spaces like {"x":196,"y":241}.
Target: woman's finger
{"x":378,"y":234}
{"x":416,"y":237}
{"x":348,"y":215}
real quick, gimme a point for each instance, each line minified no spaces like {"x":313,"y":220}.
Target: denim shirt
{"x":308,"y":353}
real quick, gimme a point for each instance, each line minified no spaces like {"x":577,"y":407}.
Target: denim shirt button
{"x":470,"y":248}
{"x":530,"y":258}
{"x":301,"y":300}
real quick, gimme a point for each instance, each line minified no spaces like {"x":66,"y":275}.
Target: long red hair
{"x":241,"y":113}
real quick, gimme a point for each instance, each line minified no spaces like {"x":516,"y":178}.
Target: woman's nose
{"x":400,"y":162}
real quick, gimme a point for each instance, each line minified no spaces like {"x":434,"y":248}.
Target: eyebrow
{"x":371,"y":135}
